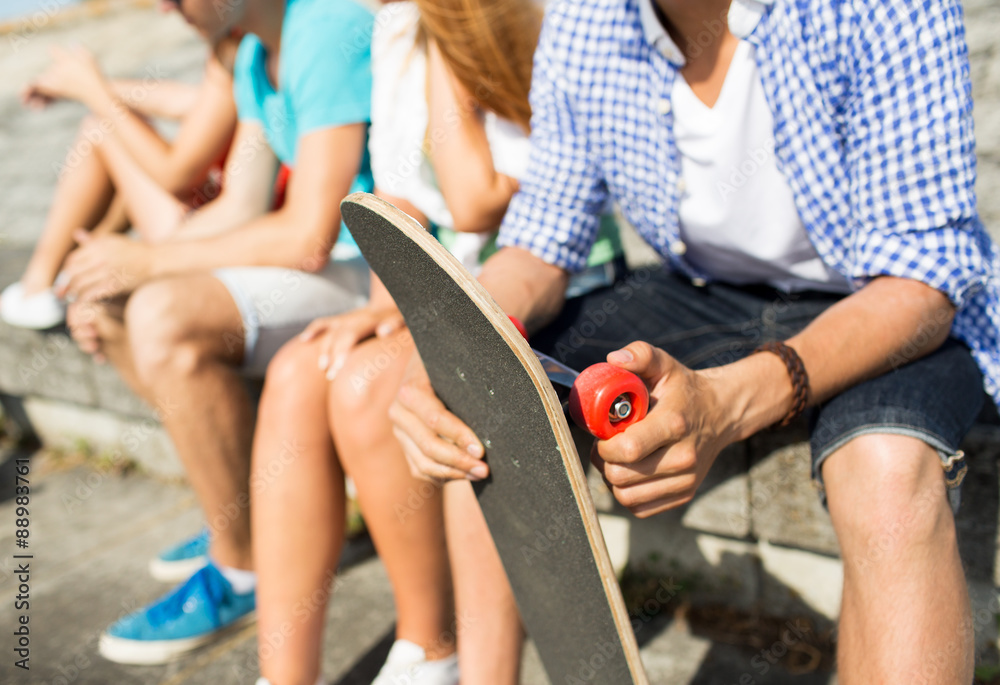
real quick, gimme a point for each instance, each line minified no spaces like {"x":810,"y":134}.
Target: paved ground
{"x":92,"y":531}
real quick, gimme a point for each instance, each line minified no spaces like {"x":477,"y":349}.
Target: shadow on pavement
{"x":365,"y":669}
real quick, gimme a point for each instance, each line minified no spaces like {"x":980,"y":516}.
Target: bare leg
{"x":154,"y":211}
{"x":490,"y":635}
{"x":115,"y":220}
{"x":403,"y":514}
{"x":81,"y":198}
{"x":905,"y":616}
{"x":183,"y":357}
{"x":297,"y":489}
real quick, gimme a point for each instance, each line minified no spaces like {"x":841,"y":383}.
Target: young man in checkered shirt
{"x":807,"y":171}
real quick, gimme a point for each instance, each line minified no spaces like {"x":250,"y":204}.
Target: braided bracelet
{"x":797,"y":374}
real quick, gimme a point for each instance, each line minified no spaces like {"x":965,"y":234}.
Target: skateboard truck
{"x":603,"y":399}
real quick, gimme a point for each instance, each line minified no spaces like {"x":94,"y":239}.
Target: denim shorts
{"x":935,"y":399}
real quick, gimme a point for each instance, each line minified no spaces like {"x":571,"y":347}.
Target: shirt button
{"x":699,"y":282}
{"x":663,"y":106}
{"x":682,"y":186}
{"x":678,"y":247}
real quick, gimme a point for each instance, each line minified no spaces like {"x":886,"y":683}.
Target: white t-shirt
{"x":737,"y":215}
{"x":738,"y":219}
{"x":399,"y":122}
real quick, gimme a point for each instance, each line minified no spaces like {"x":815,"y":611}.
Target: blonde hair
{"x":489,"y":46}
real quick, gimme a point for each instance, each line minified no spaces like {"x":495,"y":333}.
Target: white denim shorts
{"x":276,"y":303}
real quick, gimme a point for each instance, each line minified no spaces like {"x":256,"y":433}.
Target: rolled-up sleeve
{"x":910,"y":150}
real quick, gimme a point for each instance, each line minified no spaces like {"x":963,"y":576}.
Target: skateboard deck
{"x":535,"y":501}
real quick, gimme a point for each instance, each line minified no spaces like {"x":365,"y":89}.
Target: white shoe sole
{"x":175,"y":571}
{"x":151,"y":652}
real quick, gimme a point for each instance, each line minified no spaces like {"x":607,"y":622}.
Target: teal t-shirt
{"x":324,"y":78}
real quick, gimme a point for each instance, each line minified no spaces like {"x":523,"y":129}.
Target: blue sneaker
{"x":192,"y":615}
{"x":178,"y":563}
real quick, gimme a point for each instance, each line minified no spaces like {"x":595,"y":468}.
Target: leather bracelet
{"x":797,"y":374}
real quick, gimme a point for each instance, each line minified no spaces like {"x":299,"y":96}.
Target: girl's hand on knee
{"x":438,"y":446}
{"x":338,"y":335}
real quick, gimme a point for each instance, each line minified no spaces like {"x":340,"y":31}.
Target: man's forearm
{"x":219,"y":216}
{"x":524,"y":286}
{"x":274,"y":239}
{"x":888,"y":323}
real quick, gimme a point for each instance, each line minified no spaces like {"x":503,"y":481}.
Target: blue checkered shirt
{"x":872,"y":111}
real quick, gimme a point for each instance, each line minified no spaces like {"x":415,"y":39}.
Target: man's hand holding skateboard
{"x":659,"y":462}
{"x":654,"y":465}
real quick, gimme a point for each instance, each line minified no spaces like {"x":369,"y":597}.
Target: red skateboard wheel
{"x":519,"y":326}
{"x":606,"y":399}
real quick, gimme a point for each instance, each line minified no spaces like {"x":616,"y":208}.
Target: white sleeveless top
{"x":399,"y":121}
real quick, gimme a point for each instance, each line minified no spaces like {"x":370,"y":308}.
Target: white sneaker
{"x":407,"y":665}
{"x":39,"y":311}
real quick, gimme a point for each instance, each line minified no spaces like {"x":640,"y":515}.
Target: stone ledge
{"x":118,"y":438}
{"x":49,"y":365}
{"x":756,"y":536}
{"x":54,"y":392}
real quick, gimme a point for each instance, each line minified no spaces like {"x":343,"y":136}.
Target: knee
{"x":365,"y":387}
{"x":287,"y":431}
{"x":352,"y":389}
{"x":369,"y":377}
{"x":293,"y":377}
{"x":886,"y":493}
{"x":160,"y":334}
